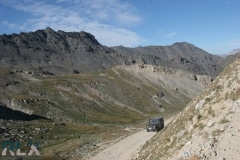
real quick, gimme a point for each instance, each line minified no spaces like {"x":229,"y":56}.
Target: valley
{"x":83,"y":110}
{"x":75,"y":97}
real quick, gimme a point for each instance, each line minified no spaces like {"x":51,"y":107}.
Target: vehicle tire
{"x":147,"y":130}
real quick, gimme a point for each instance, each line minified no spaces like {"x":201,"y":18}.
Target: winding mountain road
{"x":125,"y":148}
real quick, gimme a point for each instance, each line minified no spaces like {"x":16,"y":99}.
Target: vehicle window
{"x":154,"y":121}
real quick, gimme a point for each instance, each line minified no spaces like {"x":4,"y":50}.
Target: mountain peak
{"x":48,"y":29}
{"x":182,"y":43}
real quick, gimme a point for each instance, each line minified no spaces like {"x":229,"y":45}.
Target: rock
{"x":188,"y":143}
{"x":186,"y":154}
{"x":76,"y":71}
{"x":37,"y":129}
{"x":160,"y":94}
{"x":180,"y":133}
{"x":199,"y":105}
{"x":214,"y":152}
{"x":210,"y":123}
{"x":204,"y":79}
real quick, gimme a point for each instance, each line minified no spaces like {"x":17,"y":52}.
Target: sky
{"x":212,"y":25}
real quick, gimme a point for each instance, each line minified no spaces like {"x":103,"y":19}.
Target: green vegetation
{"x":211,"y":112}
{"x":216,"y":132}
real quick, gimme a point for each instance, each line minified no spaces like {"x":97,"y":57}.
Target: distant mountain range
{"x":54,"y":52}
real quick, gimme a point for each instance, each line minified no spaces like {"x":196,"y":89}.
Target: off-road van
{"x":155,"y":124}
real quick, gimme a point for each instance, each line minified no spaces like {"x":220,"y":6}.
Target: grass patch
{"x":224,"y":120}
{"x":216,"y":132}
{"x":4,"y":71}
{"x":199,"y":116}
{"x":211,"y":112}
{"x":201,"y":126}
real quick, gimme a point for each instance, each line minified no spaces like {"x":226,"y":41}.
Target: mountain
{"x":182,"y":56}
{"x":57,"y":52}
{"x":48,"y":51}
{"x":208,"y":128}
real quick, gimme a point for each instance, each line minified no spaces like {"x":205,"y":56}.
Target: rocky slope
{"x":208,"y":128}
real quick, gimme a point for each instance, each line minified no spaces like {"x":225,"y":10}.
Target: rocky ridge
{"x":53,"y":52}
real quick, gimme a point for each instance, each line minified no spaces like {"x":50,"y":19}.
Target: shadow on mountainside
{"x":10,"y":114}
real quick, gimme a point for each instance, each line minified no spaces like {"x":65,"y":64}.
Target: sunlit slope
{"x":207,"y":128}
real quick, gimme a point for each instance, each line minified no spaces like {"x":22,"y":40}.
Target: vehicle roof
{"x":156,"y":118}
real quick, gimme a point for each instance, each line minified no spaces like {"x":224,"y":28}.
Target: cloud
{"x":10,"y":25}
{"x":112,"y":10}
{"x":116,"y":36}
{"x":107,"y":20}
{"x":172,"y":34}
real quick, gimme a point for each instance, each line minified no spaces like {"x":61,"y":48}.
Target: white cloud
{"x":172,"y":34}
{"x":112,"y":10}
{"x":115,"y":36}
{"x":10,"y":25}
{"x":103,"y":18}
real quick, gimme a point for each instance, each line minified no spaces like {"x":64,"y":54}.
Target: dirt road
{"x":125,"y":148}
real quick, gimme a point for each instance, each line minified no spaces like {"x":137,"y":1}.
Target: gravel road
{"x":125,"y":148}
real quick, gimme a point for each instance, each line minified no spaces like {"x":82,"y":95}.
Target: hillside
{"x":81,"y":98}
{"x":208,"y":128}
